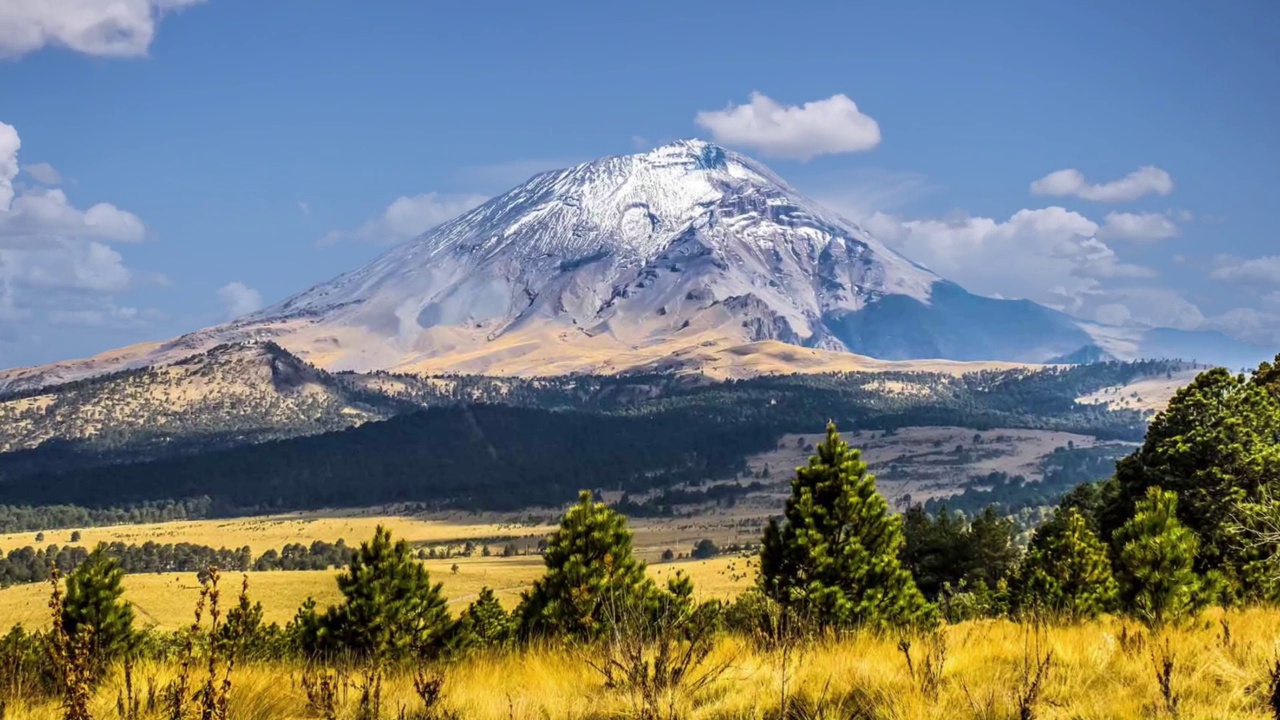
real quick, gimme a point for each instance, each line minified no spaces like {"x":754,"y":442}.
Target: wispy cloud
{"x":1071,"y":183}
{"x":406,"y":218}
{"x":43,"y":173}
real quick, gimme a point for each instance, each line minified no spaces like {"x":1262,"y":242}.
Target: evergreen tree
{"x":1217,"y":446}
{"x":390,"y":607}
{"x":93,"y":605}
{"x":243,"y":632}
{"x":589,"y":566}
{"x":1066,"y":569}
{"x":834,"y":557}
{"x":1155,"y":560}
{"x":994,"y":553}
{"x":484,"y":623}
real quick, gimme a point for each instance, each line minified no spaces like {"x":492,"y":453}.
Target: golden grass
{"x":165,"y":600}
{"x":273,"y":532}
{"x":1097,"y":671}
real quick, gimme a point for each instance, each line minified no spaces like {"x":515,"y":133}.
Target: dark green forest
{"x":504,"y":444}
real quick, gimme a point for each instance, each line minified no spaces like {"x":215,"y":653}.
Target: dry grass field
{"x":988,"y":670}
{"x":275,"y":531}
{"x":165,"y":600}
{"x":1150,"y":394}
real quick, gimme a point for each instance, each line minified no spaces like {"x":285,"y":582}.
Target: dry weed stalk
{"x":929,"y":676}
{"x":1164,"y":666}
{"x":659,"y":659}
{"x":1036,"y":661}
{"x":321,"y":689}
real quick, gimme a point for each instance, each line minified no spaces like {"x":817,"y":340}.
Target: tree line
{"x":30,"y":564}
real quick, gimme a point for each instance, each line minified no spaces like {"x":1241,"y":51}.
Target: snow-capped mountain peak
{"x":656,"y":259}
{"x":621,"y":216}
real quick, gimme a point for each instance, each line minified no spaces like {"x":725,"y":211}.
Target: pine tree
{"x":1217,"y":446}
{"x":484,"y":623}
{"x":1155,"y":561}
{"x":834,"y":558}
{"x":589,"y":567}
{"x":1066,"y":569}
{"x":93,"y":606}
{"x":390,"y":608}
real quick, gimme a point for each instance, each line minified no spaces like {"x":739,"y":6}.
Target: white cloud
{"x":407,"y":218}
{"x":1071,"y":182}
{"x":1140,"y":227}
{"x":239,"y":299}
{"x":833,"y":125}
{"x":1144,"y":306}
{"x":56,"y":264}
{"x":1051,"y":255}
{"x":1264,"y":271}
{"x":304,"y":207}
{"x":40,"y":214}
{"x":109,"y":28}
{"x":10,"y":143}
{"x":1039,"y":254}
{"x":43,"y":173}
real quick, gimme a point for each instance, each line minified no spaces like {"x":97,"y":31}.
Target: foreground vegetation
{"x":1221,"y":667}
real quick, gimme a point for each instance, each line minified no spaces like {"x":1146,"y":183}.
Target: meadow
{"x":164,"y":601}
{"x":1220,"y":666}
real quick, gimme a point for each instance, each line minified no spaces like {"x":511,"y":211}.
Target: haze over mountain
{"x":668,"y":259}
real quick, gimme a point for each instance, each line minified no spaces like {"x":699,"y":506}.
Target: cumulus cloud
{"x":407,"y":218}
{"x":1039,"y":254}
{"x":119,"y":28}
{"x":1071,"y":182}
{"x":1262,"y":271}
{"x":39,"y":214}
{"x":821,"y":127}
{"x":239,"y":299}
{"x":1140,"y":227}
{"x":57,"y":263}
{"x":43,"y":173}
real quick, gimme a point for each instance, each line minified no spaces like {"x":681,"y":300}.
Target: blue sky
{"x":184,"y":160}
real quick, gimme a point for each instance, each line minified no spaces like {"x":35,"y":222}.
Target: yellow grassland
{"x":1103,"y":670}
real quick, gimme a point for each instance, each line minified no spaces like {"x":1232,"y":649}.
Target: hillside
{"x":231,"y":394}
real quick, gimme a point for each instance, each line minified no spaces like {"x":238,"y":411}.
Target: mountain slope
{"x":630,"y":262}
{"x":232,"y":394}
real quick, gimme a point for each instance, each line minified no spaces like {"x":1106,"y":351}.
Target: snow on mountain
{"x":619,"y":263}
